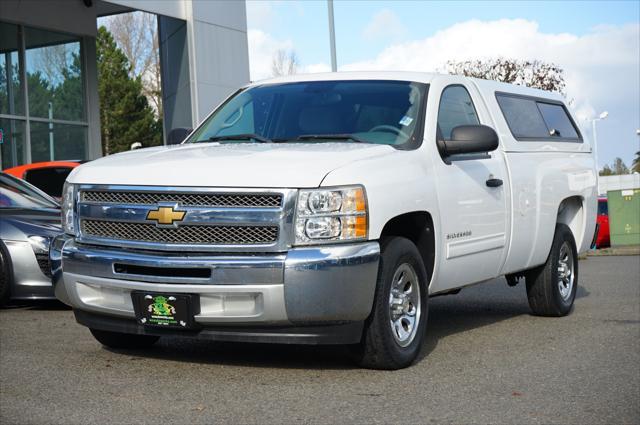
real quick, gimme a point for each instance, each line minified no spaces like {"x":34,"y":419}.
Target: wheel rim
{"x":566,"y":271}
{"x":404,"y":305}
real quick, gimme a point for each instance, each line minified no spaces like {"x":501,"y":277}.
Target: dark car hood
{"x":19,"y":223}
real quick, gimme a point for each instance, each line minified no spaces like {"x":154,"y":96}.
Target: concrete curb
{"x":621,"y":250}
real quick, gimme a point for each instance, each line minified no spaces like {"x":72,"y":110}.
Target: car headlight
{"x":40,"y":244}
{"x":67,"y":209}
{"x":331,"y":214}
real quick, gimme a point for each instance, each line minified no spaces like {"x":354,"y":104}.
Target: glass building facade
{"x":43,"y":111}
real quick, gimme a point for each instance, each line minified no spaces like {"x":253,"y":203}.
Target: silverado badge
{"x":165,"y":215}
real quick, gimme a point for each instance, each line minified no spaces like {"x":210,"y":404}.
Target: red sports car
{"x":46,"y":176}
{"x":602,"y":240}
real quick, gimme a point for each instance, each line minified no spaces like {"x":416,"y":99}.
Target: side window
{"x":557,"y":120}
{"x":456,"y":108}
{"x":523,"y":117}
{"x":531,"y":119}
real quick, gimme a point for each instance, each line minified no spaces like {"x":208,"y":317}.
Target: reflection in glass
{"x":12,"y":146}
{"x":54,"y":75}
{"x":53,"y":141}
{"x":10,"y":83}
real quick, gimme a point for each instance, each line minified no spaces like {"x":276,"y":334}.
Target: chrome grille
{"x":186,"y":234}
{"x":222,"y":200}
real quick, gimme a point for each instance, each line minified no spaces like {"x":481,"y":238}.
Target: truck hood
{"x":226,"y":165}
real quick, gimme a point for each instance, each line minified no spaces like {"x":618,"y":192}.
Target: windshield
{"x":382,"y":112}
{"x":15,"y":193}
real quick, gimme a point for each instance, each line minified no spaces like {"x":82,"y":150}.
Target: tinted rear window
{"x":557,"y":120}
{"x":531,"y":119}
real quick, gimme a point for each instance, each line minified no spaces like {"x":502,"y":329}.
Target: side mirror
{"x":469,"y":139}
{"x":177,"y":135}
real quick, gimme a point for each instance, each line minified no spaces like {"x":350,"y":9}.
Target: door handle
{"x":494,"y":182}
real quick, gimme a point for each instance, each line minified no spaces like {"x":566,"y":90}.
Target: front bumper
{"x":29,"y":282}
{"x":242,"y":295}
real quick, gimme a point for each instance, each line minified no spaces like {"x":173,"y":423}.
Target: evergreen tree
{"x":636,"y":163}
{"x":617,"y":168}
{"x":606,"y":171}
{"x":125,"y":114}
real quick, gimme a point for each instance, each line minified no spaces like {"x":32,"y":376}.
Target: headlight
{"x":67,"y":207}
{"x":329,"y":215}
{"x":40,"y":244}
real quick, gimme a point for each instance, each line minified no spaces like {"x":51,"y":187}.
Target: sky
{"x":597,"y":43}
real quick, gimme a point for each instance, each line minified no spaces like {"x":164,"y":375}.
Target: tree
{"x":125,"y":114}
{"x":136,"y":34}
{"x":530,"y":73}
{"x":635,"y":167}
{"x":617,"y":168}
{"x":284,"y":63}
{"x":606,"y":171}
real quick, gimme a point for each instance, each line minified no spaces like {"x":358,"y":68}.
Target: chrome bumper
{"x":318,"y":285}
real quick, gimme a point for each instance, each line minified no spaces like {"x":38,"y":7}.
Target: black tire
{"x":379,"y":348}
{"x":6,"y":275}
{"x":543,"y":283}
{"x":123,"y":341}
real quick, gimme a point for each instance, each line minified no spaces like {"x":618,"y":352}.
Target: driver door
{"x":473,"y":215}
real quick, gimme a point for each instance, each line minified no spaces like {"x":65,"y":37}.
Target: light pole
{"x":600,"y":117}
{"x":332,"y":37}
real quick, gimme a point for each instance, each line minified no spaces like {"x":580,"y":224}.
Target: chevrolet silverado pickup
{"x":327,"y":209}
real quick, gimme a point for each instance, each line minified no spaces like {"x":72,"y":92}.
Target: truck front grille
{"x":187,"y":234}
{"x":212,"y":200}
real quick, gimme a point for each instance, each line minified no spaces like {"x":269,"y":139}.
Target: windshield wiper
{"x":329,"y":137}
{"x":248,"y":136}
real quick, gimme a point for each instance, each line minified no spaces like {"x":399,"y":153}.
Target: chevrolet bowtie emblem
{"x":165,"y":215}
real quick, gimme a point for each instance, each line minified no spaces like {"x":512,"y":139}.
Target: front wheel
{"x":395,"y":330}
{"x":551,"y":288}
{"x":123,"y":341}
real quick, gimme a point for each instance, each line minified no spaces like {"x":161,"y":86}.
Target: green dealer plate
{"x":165,"y":310}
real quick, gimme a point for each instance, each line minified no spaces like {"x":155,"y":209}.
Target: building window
{"x":45,"y":68}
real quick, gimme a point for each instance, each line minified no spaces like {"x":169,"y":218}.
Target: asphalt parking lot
{"x":486,"y":360}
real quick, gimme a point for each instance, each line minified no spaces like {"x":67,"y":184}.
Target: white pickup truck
{"x":327,"y":209}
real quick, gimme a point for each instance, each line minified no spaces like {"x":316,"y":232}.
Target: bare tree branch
{"x":136,"y":34}
{"x":284,"y":63}
{"x":531,"y":73}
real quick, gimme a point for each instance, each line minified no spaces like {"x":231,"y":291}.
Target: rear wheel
{"x":395,"y":329}
{"x":551,"y":288}
{"x":121,"y":340}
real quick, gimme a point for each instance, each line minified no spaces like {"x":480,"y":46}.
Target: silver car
{"x":29,"y":219}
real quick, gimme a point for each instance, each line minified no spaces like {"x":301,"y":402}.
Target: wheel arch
{"x":416,"y":226}
{"x":572,"y":213}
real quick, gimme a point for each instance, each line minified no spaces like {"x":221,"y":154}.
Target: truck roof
{"x":420,"y":77}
